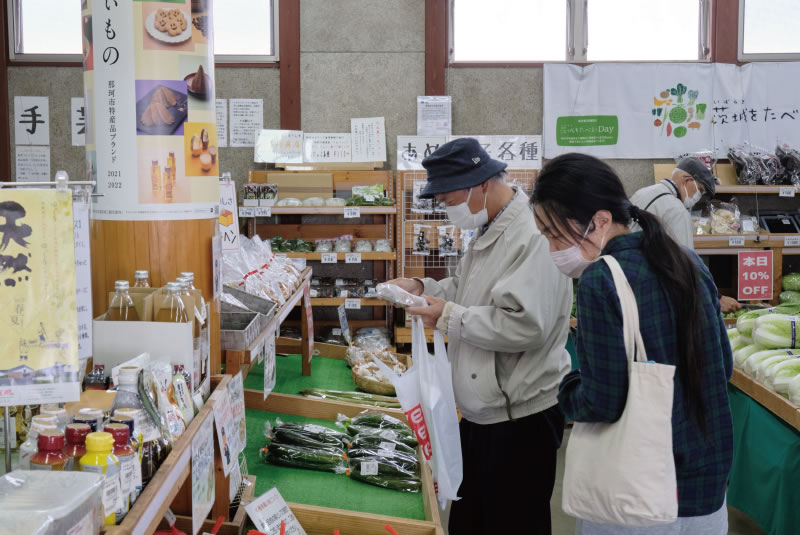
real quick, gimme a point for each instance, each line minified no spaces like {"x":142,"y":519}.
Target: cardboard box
{"x":302,"y":185}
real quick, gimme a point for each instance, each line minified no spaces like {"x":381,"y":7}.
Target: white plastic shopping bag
{"x":425,"y":393}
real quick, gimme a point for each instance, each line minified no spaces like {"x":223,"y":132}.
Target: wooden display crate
{"x":774,"y":402}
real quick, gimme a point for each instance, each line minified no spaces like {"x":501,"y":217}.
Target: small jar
{"x":50,"y":455}
{"x":59,"y":413}
{"x":75,"y":446}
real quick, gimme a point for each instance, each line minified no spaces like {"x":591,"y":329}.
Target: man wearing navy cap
{"x":506,"y":315}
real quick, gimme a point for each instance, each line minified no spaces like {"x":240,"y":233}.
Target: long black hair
{"x":573,"y":188}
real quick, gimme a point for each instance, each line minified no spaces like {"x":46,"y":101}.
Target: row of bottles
{"x":172,"y":306}
{"x":164,"y":184}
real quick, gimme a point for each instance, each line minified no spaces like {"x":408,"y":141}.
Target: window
{"x":50,"y":30}
{"x":766,"y":29}
{"x":579,"y":30}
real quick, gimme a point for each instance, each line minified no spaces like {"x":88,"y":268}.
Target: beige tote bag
{"x":624,"y":473}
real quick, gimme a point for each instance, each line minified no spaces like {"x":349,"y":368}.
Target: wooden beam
{"x":289,"y":38}
{"x":436,"y":52}
{"x":5,"y":133}
{"x":725,"y":31}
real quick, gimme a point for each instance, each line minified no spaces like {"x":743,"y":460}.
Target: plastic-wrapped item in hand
{"x":399,"y":297}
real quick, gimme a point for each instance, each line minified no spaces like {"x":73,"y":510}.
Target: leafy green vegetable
{"x":747,"y":320}
{"x":741,"y":355}
{"x":678,"y":91}
{"x":783,"y":375}
{"x":751,"y":364}
{"x":794,"y":391}
{"x":678,"y":115}
{"x":790,"y":297}
{"x":766,"y":370}
{"x":777,"y":331}
{"x":791,"y":281}
{"x":325,"y":460}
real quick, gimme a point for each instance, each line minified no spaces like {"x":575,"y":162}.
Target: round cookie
{"x":174,"y":28}
{"x":161,"y":23}
{"x":183,"y":23}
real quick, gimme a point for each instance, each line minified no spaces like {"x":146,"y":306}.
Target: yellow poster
{"x":38,"y":326}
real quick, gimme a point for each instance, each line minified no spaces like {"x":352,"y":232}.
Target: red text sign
{"x":755,"y":275}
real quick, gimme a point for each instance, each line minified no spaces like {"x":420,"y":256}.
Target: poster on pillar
{"x":151,"y":141}
{"x":661,"y":110}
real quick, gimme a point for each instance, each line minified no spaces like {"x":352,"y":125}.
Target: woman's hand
{"x":429,"y":314}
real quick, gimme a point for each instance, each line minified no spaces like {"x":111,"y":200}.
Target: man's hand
{"x":410,"y":285}
{"x":429,"y":314}
{"x":728,"y":304}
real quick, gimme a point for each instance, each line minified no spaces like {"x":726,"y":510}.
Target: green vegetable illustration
{"x":678,"y":115}
{"x":701,"y":111}
{"x":693,"y":96}
{"x":680,"y":131}
{"x":678,"y":91}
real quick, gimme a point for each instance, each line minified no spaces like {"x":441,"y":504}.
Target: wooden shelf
{"x":336,"y":301}
{"x":774,"y":402}
{"x":711,"y":244}
{"x":365,"y":257}
{"x":326,"y":210}
{"x":752,"y":189}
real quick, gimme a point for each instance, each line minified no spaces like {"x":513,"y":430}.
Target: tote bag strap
{"x":634,"y":346}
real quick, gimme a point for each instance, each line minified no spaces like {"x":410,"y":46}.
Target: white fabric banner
{"x":659,"y":110}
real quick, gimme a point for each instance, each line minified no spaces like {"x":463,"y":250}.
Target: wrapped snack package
{"x":399,"y":297}
{"x":334,"y":201}
{"x":725,"y":217}
{"x":363,"y":246}
{"x":314,"y":201}
{"x":343,"y":246}
{"x":383,"y":246}
{"x":790,"y":161}
{"x":290,"y":201}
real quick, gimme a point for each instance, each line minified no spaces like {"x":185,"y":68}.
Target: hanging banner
{"x":39,"y":345}
{"x":659,"y":110}
{"x":151,"y":140}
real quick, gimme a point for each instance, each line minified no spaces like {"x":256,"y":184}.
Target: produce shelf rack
{"x":239,"y":359}
{"x":774,"y":402}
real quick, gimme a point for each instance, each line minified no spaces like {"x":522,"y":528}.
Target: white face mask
{"x":689,"y":202}
{"x":571,"y":261}
{"x":462,"y":216}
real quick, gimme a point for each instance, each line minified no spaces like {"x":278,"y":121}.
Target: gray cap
{"x":700,"y":173}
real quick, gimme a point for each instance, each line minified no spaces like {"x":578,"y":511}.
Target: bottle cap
{"x":60,"y":414}
{"x":173,"y":286}
{"x":122,"y":285}
{"x":187,"y":275}
{"x":49,"y":419}
{"x":184,"y":283}
{"x":38,"y":427}
{"x":126,"y":419}
{"x":51,"y":440}
{"x":99,"y":442}
{"x":128,"y":375}
{"x":142,"y":274}
{"x":120,"y":432}
{"x":90,"y":412}
{"x":77,"y":432}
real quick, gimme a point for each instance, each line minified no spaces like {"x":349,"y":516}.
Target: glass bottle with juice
{"x":136,"y":445}
{"x":127,"y":465}
{"x":169,"y":184}
{"x":141,"y":279}
{"x":122,"y":308}
{"x":100,"y":459}
{"x":172,"y":308}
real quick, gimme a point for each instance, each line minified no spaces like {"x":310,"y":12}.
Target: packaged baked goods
{"x":314,"y":201}
{"x":724,"y":217}
{"x":290,"y":201}
{"x":383,"y":246}
{"x":335,"y":201}
{"x":363,"y":246}
{"x":343,"y":246}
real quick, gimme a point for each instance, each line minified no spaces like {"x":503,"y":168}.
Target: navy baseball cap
{"x":460,"y":164}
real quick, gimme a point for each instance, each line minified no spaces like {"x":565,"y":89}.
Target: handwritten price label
{"x":352,"y":258}
{"x":351,"y":212}
{"x":786,"y":191}
{"x":352,"y":304}
{"x":736,"y":241}
{"x":791,"y":241}
{"x":329,"y":258}
{"x":244,"y":211}
{"x":263,"y":212}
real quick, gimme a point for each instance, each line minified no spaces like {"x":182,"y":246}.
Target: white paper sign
{"x":518,"y":151}
{"x":352,"y":304}
{"x":78,"y":122}
{"x":791,"y":241}
{"x":352,"y":212}
{"x":368,"y":139}
{"x":222,"y":121}
{"x":327,"y":148}
{"x":270,"y":376}
{"x":31,"y":120}
{"x":228,"y":217}
{"x":203,"y":480}
{"x":244,"y":211}
{"x":279,"y":146}
{"x":352,"y":258}
{"x":329,"y":258}
{"x":83,"y":278}
{"x":787,"y":191}
{"x":434,"y":116}
{"x":227,"y":433}
{"x":736,"y":241}
{"x":411,"y":150}
{"x":236,"y":394}
{"x":268,"y":510}
{"x":263,"y":211}
{"x":247,"y":119}
{"x":33,"y":164}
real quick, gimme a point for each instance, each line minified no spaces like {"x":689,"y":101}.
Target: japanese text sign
{"x":755,"y":275}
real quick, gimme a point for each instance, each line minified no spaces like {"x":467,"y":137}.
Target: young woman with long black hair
{"x":581,"y":207}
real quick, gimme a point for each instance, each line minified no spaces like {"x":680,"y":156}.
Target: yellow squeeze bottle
{"x":100,"y":459}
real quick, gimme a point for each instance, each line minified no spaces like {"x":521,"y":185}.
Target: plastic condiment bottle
{"x":50,"y":455}
{"x":45,"y":419}
{"x":136,"y":444}
{"x":95,"y":414}
{"x":59,"y":413}
{"x":75,"y":447}
{"x":100,"y":459}
{"x":127,"y":464}
{"x":29,"y":448}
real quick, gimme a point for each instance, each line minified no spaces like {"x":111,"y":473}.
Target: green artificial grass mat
{"x":331,"y":374}
{"x":322,"y":489}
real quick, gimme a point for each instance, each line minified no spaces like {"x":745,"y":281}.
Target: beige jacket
{"x":507,"y":320}
{"x":663,"y":201}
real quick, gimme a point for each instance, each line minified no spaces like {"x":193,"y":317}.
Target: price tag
{"x":786,"y":191}
{"x":336,"y":332}
{"x":389,"y":446}
{"x":369,"y":468}
{"x":352,"y":258}
{"x":245,"y":211}
{"x":263,"y":211}
{"x":351,"y":212}
{"x":736,"y":241}
{"x":352,"y":304}
{"x":169,"y":516}
{"x":329,"y":258}
{"x":343,"y":323}
{"x":282,"y":256}
{"x":791,"y":241}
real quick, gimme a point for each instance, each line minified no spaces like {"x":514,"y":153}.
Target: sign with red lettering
{"x":755,"y":275}
{"x":416,"y":419}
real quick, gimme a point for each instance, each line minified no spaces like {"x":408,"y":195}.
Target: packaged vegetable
{"x":791,"y":281}
{"x":372,"y":441}
{"x":783,"y":374}
{"x":290,"y":201}
{"x":399,"y":435}
{"x":790,"y":161}
{"x":741,"y":355}
{"x":323,"y":460}
{"x":398,"y":296}
{"x":314,"y":201}
{"x":375,"y":419}
{"x":777,"y":331}
{"x":766,"y":370}
{"x":745,"y":322}
{"x":790,"y":297}
{"x":316,"y":432}
{"x":725,"y":217}
{"x":335,"y":201}
{"x":793,"y":391}
{"x":362,"y":398}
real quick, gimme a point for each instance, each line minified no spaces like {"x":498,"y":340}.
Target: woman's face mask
{"x":571,"y":261}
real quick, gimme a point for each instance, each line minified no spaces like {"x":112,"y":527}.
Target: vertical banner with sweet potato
{"x":151,"y":140}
